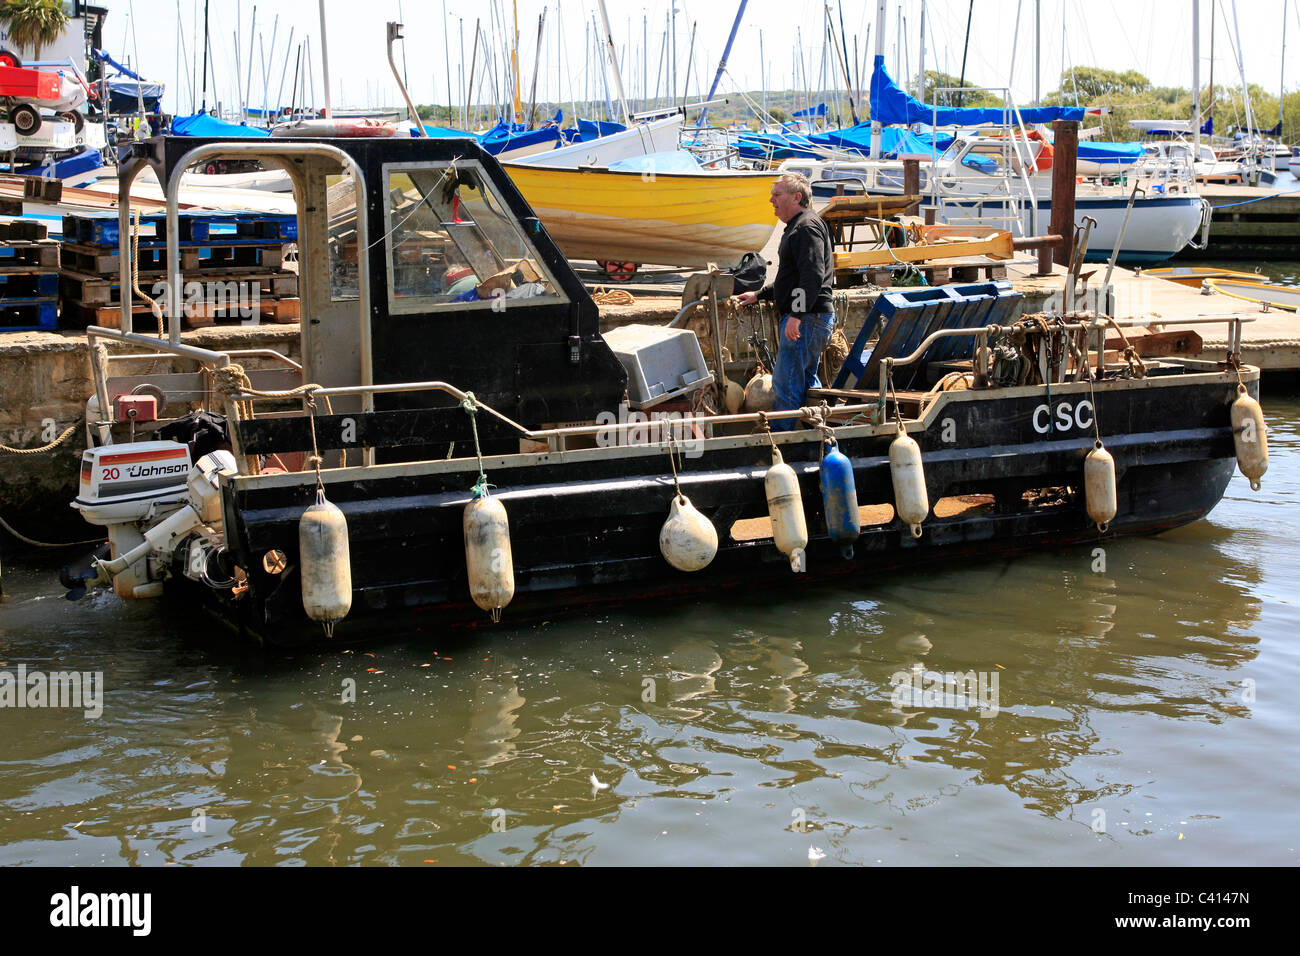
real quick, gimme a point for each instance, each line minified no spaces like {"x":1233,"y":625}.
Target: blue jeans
{"x":796,"y":364}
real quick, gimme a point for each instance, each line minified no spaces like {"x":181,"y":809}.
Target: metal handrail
{"x":568,"y":431}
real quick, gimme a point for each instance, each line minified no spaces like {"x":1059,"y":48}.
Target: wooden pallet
{"x":40,"y":253}
{"x":28,"y":283}
{"x":249,"y":257}
{"x":938,"y":274}
{"x":282,"y":311}
{"x":28,"y":315}
{"x":107,"y":289}
{"x":218,"y":227}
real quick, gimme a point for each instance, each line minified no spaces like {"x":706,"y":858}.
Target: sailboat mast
{"x":876,"y":63}
{"x":1281,"y":78}
{"x":514,"y":65}
{"x":446,"y":58}
{"x":844,"y":50}
{"x":205,"y":56}
{"x":537,"y":62}
{"x":920,"y":71}
{"x":324,"y":61}
{"x":248,"y":80}
{"x":1196,"y":84}
{"x":613,"y":64}
{"x":722,"y":64}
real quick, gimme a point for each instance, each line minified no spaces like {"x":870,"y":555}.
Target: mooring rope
{"x":44,"y":544}
{"x":43,"y":448}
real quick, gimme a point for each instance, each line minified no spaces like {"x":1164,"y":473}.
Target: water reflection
{"x":743,"y":729}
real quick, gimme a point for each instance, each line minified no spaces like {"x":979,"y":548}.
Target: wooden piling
{"x":1065,"y":157}
{"x":912,"y":183}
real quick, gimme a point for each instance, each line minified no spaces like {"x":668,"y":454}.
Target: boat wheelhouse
{"x":454,"y":446}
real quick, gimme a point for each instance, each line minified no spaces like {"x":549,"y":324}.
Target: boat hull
{"x":674,"y":219}
{"x":584,"y":525}
{"x":1158,"y":228}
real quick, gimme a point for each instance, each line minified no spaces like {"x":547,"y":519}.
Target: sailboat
{"x":658,"y":208}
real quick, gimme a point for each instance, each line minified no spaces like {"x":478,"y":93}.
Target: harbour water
{"x":1136,"y":707}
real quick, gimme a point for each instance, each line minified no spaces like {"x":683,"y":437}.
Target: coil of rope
{"x":604,"y":296}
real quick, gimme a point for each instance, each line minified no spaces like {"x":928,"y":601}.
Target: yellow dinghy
{"x":1266,"y":293}
{"x":1194,"y":275}
{"x":671,"y":219}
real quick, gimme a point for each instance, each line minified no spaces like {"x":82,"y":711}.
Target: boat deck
{"x":1271,"y":340}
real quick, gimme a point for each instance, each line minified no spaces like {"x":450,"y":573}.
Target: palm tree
{"x":33,"y":23}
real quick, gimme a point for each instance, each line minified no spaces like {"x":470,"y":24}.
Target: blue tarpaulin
{"x":777,"y":146}
{"x":893,"y":141}
{"x":892,"y":106}
{"x":124,"y":95}
{"x":818,"y":110}
{"x":1117,"y":154}
{"x":508,"y":136}
{"x":202,"y":124}
{"x":595,"y":129}
{"x":443,"y":132}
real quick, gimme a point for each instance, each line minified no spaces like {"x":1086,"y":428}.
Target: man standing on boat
{"x":802,"y":293}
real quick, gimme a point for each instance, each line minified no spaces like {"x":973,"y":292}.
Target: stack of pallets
{"x":232,"y":265}
{"x":29,"y":278}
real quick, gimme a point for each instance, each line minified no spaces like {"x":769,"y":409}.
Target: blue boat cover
{"x":505,"y":136}
{"x":595,"y":129}
{"x":203,"y":124}
{"x":443,"y":132}
{"x":818,"y":110}
{"x":81,"y":162}
{"x":892,"y":106}
{"x":893,"y":141}
{"x":777,"y":146}
{"x":124,"y":95}
{"x":678,"y":161}
{"x":1120,"y":154}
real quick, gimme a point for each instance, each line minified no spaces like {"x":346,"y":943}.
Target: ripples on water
{"x":1153,"y":701}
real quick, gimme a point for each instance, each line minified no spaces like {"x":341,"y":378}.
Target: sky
{"x":1153,"y":37}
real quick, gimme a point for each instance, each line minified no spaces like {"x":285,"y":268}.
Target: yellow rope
{"x":154,"y":307}
{"x":43,"y":448}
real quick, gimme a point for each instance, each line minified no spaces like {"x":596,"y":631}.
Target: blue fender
{"x":840,"y":500}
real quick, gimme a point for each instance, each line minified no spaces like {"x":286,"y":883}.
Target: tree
{"x":34,"y":23}
{"x":934,"y":80}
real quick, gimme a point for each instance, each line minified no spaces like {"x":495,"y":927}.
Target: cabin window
{"x":452,"y":244}
{"x":341,"y":196}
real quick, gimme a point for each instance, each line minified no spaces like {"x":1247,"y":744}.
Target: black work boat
{"x":424,"y":395}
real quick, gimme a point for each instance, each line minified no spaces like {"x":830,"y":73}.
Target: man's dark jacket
{"x":804,"y":263}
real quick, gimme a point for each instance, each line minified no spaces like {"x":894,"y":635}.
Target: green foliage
{"x":33,"y":23}
{"x":1130,"y":96}
{"x":935,"y":80}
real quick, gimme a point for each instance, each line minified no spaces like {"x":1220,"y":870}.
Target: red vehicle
{"x":26,"y":92}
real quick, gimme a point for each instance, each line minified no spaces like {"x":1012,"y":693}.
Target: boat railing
{"x":1097,"y":327}
{"x":556,"y":438}
{"x":101,"y":359}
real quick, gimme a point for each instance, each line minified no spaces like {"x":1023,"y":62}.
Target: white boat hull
{"x":659,"y":136}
